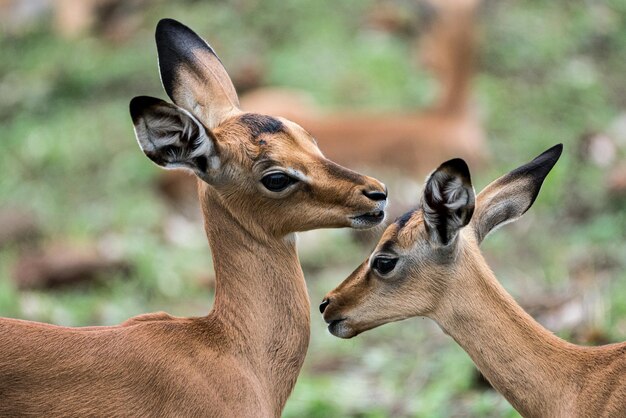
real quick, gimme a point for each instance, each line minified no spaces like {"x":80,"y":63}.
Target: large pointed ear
{"x":172,"y":138}
{"x":510,"y":196}
{"x":448,"y":201}
{"x":192,"y":74}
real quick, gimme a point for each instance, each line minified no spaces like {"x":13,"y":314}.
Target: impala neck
{"x":260,"y":297}
{"x":526,"y":363}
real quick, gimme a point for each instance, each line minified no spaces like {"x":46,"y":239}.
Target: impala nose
{"x":376,"y":195}
{"x":323,"y":305}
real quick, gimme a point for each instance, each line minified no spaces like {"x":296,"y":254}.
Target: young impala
{"x":428,"y":264}
{"x":261,"y":179}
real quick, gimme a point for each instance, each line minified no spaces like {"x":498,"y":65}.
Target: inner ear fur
{"x":192,"y":74}
{"x":510,"y":196}
{"x":171,"y":137}
{"x":448,"y":201}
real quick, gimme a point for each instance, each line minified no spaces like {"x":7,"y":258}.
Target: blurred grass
{"x":551,"y":71}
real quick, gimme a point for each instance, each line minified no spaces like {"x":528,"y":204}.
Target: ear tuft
{"x":171,"y":137}
{"x":448,"y":201}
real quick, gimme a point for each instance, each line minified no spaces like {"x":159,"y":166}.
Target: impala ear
{"x":192,"y":74}
{"x":510,"y":196}
{"x":448,"y":201}
{"x":172,"y":138}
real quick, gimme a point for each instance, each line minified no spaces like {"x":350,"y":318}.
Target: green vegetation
{"x":550,"y":71}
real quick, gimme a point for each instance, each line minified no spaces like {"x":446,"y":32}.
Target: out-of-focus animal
{"x":114,"y":20}
{"x":402,"y":142}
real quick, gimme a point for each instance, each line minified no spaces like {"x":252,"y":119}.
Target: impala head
{"x":268,"y":172}
{"x":424,"y":252}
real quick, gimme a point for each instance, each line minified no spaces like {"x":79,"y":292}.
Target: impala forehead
{"x":278,"y":138}
{"x":403,"y":233}
{"x":258,"y":125}
{"x":269,"y":130}
{"x":300,"y":136}
{"x":258,"y":139}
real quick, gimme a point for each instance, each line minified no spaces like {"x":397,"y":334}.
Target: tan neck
{"x":527,"y":364}
{"x":261,"y":298}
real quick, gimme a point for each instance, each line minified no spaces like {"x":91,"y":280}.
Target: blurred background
{"x":92,"y":233}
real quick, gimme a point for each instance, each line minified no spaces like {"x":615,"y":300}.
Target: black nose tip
{"x":323,"y":305}
{"x":375,"y":195}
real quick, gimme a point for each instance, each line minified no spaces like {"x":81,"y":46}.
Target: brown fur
{"x":243,"y":358}
{"x":539,"y":374}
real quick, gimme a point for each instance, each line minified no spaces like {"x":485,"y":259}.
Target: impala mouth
{"x":368,"y":220}
{"x":336,"y":327}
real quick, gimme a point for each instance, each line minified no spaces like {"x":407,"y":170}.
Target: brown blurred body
{"x":402,"y":142}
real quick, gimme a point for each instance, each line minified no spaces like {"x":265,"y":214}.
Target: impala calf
{"x":428,"y":263}
{"x":260,"y":180}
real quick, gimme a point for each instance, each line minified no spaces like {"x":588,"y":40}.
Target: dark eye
{"x":384,"y":265}
{"x":277,"y":182}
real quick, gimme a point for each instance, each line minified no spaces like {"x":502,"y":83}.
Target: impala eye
{"x":277,"y":182}
{"x":384,"y":265}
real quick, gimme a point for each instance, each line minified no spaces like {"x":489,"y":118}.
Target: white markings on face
{"x":363,"y":222}
{"x":341,"y":330}
{"x":297,"y":174}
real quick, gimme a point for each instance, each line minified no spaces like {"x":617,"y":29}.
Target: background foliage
{"x":549,"y":71}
